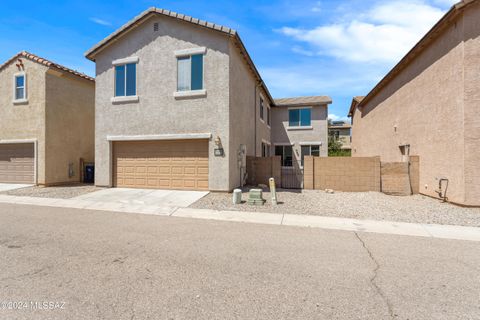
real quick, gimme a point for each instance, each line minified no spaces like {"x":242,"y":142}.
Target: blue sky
{"x":339,"y":48}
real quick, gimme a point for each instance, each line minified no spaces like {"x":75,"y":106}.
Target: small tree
{"x":335,"y":148}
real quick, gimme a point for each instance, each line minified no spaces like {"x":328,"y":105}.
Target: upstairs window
{"x":126,"y":80}
{"x":268,"y":116}
{"x":190,"y":72}
{"x":300,"y":117}
{"x":262,"y":107}
{"x":20,"y":93}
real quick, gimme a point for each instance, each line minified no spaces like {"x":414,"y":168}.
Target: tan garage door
{"x":178,"y":164}
{"x":17,"y":163}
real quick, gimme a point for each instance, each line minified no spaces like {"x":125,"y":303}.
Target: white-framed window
{"x":300,"y":117}
{"x":265,"y":149}
{"x":126,"y":80}
{"x":268,"y":116}
{"x":262,"y":108}
{"x":20,"y":87}
{"x":286,"y":153}
{"x":190,"y":72}
{"x":309,"y":150}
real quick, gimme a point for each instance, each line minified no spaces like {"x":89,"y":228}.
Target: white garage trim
{"x":182,"y":136}
{"x":35,"y":153}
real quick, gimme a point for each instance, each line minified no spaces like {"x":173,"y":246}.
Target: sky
{"x":339,"y":48}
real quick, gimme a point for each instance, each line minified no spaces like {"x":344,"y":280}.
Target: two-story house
{"x":428,"y":106}
{"x":46,"y":121}
{"x":179,"y":105}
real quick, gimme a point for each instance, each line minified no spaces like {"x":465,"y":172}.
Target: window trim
{"x":199,"y":93}
{"x":300,"y":127}
{"x":128,"y":60}
{"x":261,"y":108}
{"x":125,"y":98}
{"x":25,"y":93}
{"x":269,"y":144}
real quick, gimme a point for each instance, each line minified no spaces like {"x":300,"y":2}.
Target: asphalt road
{"x":100,"y":265}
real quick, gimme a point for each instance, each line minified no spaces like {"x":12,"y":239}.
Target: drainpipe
{"x":255,"y":122}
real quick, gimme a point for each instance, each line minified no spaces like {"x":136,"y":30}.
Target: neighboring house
{"x":340,"y":131}
{"x":179,"y":105}
{"x":428,"y":105}
{"x":46,"y":121}
{"x":300,"y":129}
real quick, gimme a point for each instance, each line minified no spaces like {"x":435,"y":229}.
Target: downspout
{"x":255,"y":122}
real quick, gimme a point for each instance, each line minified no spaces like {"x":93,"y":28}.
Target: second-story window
{"x":20,"y":87}
{"x":190,"y":72}
{"x":268,"y":116}
{"x":126,"y":80}
{"x":262,"y":107}
{"x":301,"y":117}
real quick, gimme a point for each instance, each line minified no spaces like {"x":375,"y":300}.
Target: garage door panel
{"x":179,"y":164}
{"x":17,"y":163}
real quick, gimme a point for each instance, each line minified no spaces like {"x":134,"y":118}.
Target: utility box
{"x":255,"y":197}
{"x":89,"y":175}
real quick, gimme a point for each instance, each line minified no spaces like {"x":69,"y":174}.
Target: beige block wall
{"x":24,"y":121}
{"x":359,"y":174}
{"x":261,"y":169}
{"x":472,"y":104}
{"x":422,"y":106}
{"x":70,"y":120}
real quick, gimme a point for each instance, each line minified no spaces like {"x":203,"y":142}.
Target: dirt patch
{"x":60,"y":192}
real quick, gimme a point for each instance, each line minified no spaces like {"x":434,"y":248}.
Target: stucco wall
{"x":70,"y":131}
{"x":24,"y":121}
{"x":157,"y":111}
{"x":244,"y":117}
{"x":319,"y":132}
{"x":472,"y":105}
{"x":423,"y":106}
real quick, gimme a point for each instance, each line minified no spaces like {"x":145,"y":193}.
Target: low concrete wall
{"x":260,"y":170}
{"x":362,"y":174}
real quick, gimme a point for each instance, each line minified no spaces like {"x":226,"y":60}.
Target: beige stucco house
{"x":341,"y":131}
{"x":46,"y":121}
{"x":428,"y":105}
{"x":179,"y":105}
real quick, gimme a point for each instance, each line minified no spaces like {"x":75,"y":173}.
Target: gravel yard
{"x":60,"y":192}
{"x":359,"y":205}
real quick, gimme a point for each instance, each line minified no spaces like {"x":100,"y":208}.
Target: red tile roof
{"x":45,"y":62}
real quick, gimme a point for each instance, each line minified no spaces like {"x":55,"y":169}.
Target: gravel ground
{"x":359,"y":205}
{"x":61,"y":192}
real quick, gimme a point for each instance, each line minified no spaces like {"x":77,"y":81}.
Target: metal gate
{"x":292,"y":178}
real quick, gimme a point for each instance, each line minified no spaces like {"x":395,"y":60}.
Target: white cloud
{"x":334,"y":117}
{"x":100,"y":21}
{"x":446,"y":2}
{"x":383,"y":33}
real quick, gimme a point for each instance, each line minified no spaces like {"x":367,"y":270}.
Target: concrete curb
{"x":356,"y":225}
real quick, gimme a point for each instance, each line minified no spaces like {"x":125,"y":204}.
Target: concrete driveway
{"x":105,"y":265}
{"x":12,"y":186}
{"x":148,"y":197}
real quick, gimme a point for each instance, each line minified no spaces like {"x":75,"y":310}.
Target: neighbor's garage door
{"x":17,"y":163}
{"x":176,"y":164}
